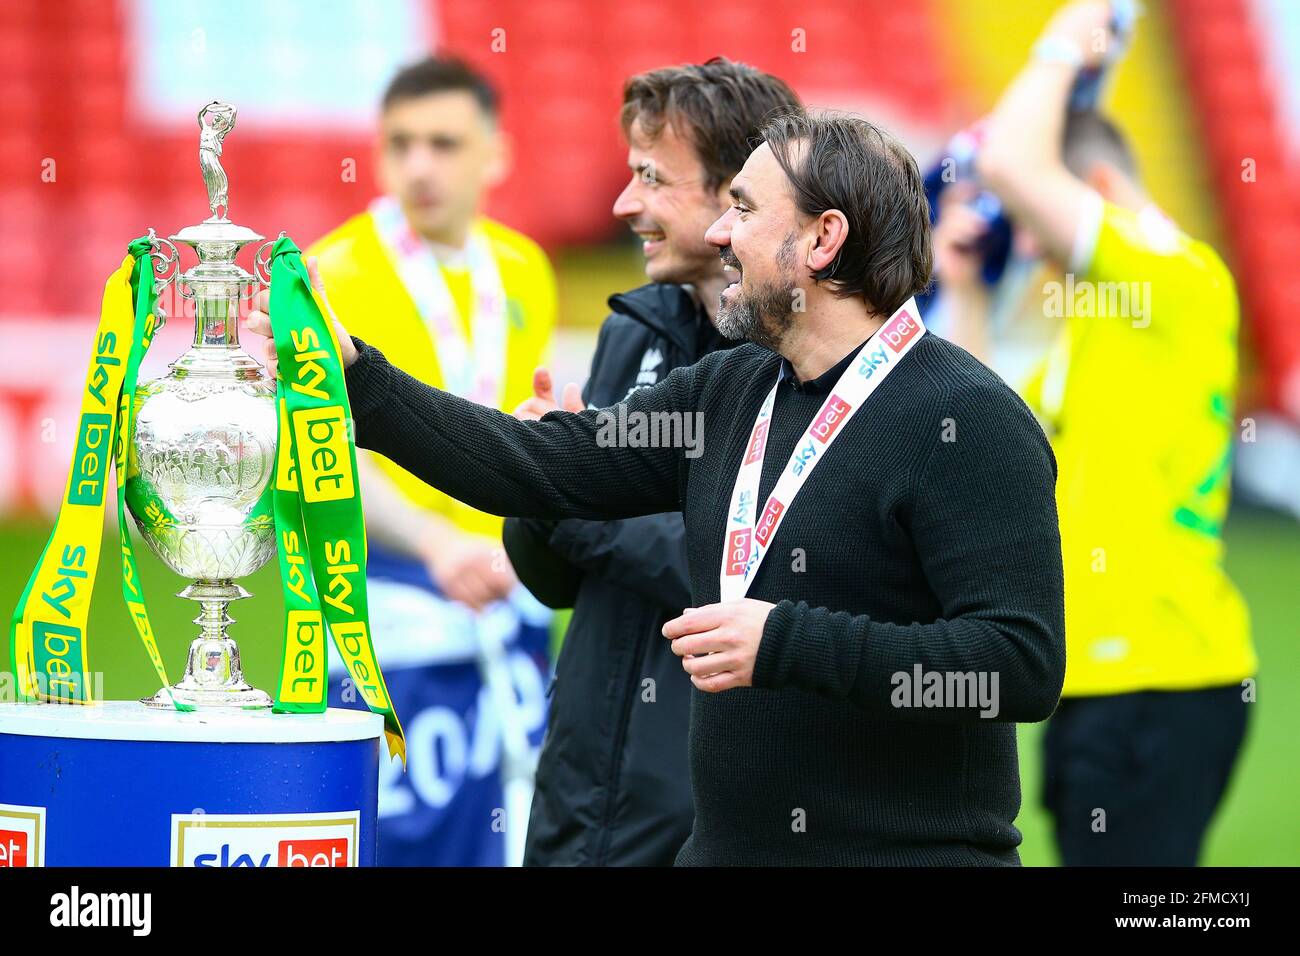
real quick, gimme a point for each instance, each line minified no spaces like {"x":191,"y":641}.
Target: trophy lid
{"x":216,"y":239}
{"x":216,"y":230}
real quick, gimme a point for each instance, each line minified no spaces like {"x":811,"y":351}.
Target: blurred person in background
{"x":1137,"y":394}
{"x":468,"y":305}
{"x":613,"y":785}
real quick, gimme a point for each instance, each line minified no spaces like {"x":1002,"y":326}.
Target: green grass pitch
{"x":1255,"y":827}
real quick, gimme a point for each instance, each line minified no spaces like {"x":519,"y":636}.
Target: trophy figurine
{"x":202,"y":460}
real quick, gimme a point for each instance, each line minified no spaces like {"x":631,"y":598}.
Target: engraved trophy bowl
{"x":202,"y":458}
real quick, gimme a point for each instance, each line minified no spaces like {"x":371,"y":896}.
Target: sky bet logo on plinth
{"x":14,"y":848}
{"x":22,"y":836}
{"x":262,"y":840}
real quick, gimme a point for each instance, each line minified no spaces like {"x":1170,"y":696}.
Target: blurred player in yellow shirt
{"x":1137,"y":396}
{"x":458,"y":300}
{"x":465,"y":304}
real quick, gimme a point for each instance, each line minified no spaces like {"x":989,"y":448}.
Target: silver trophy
{"x":202,"y":461}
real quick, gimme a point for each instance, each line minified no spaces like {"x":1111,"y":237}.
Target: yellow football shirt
{"x":365,"y":292}
{"x":1137,"y":396}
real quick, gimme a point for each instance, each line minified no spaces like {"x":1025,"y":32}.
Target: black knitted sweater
{"x":924,"y":545}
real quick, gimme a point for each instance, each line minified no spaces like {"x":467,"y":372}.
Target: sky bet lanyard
{"x":318,"y":515}
{"x":47,"y":637}
{"x":474,"y":371}
{"x":746,"y":542}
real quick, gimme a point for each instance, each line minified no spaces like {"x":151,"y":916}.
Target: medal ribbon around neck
{"x":747,"y":539}
{"x":474,"y":371}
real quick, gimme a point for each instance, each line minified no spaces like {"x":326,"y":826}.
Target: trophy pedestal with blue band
{"x":117,"y":784}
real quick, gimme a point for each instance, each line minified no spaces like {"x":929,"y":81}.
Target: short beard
{"x":764,"y":314}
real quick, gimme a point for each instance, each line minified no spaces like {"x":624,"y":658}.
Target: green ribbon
{"x":48,"y":635}
{"x":319,"y":523}
{"x":145,"y":298}
{"x":315,"y":499}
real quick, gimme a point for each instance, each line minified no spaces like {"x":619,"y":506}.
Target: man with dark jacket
{"x":854,"y":705}
{"x":613,"y":785}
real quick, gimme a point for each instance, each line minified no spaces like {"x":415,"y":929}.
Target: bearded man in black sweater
{"x":870,"y":523}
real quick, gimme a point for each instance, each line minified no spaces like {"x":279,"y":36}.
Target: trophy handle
{"x":262,"y":258}
{"x":167,"y":263}
{"x":166,"y":267}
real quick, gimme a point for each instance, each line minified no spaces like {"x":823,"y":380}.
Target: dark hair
{"x":441,"y":74}
{"x":1090,"y":137}
{"x":836,"y":161}
{"x":718,"y":106}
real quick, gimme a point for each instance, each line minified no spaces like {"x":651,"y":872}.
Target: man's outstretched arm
{"x":567,"y":465}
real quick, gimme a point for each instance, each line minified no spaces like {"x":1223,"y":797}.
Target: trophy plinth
{"x":202,"y":458}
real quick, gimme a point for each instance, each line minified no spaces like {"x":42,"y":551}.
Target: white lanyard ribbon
{"x":474,"y":371}
{"x":747,"y":540}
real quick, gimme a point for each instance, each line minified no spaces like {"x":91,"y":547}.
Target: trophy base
{"x":208,"y":698}
{"x":213,"y":677}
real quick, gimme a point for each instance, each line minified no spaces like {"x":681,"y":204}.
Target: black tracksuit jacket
{"x":613,"y":785}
